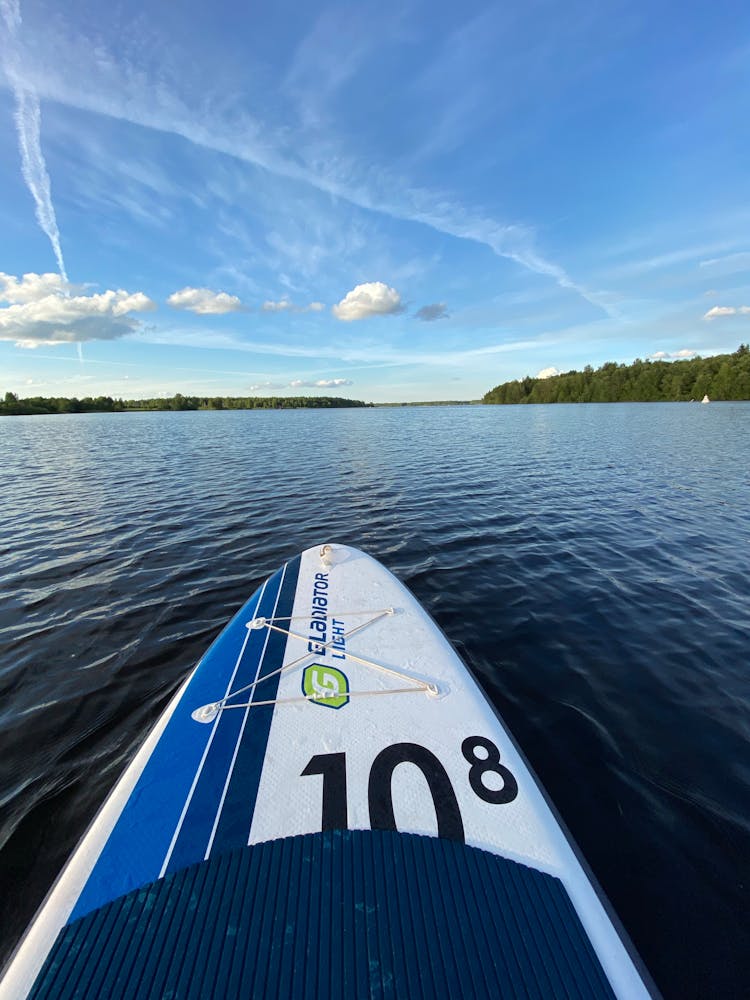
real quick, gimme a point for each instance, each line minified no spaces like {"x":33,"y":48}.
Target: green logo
{"x":325,"y":686}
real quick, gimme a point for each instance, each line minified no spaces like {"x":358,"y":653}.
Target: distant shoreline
{"x":19,"y":410}
{"x":52,"y":405}
{"x":11,"y":405}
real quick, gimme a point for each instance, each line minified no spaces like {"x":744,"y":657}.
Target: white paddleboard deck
{"x":331,"y":702}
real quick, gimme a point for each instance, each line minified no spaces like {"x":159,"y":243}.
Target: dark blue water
{"x":591,"y":563}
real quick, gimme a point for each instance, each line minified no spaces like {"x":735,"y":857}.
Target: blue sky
{"x":388,"y":201}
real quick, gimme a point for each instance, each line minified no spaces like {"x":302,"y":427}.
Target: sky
{"x":391,"y":201}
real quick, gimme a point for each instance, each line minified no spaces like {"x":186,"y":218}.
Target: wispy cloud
{"x":126,"y":92}
{"x":106,"y":177}
{"x":728,"y":263}
{"x":329,"y":56}
{"x":204,"y":302}
{"x":373,"y":298}
{"x":28,"y":125}
{"x":11,"y":12}
{"x":351,"y":352}
{"x":668,"y":259}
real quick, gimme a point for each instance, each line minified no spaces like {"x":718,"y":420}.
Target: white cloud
{"x":323,"y":383}
{"x":374,"y":298}
{"x":727,"y":311}
{"x":204,"y":302}
{"x":260,"y":386}
{"x":284,"y":305}
{"x":41,"y":314}
{"x":686,"y":352}
{"x":30,"y":287}
{"x":720,"y":311}
{"x":299,"y":383}
{"x":548,"y":372}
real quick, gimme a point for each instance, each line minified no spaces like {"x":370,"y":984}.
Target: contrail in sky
{"x":28,"y":124}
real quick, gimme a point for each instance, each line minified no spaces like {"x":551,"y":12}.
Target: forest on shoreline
{"x":11,"y":405}
{"x":721,"y":377}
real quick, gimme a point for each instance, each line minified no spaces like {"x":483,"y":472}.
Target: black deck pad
{"x":338,"y":914}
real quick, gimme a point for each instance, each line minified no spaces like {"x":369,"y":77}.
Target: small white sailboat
{"x":705,"y":399}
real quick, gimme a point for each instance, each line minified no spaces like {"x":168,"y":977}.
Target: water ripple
{"x":589,"y":562}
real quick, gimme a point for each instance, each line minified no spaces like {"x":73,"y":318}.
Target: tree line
{"x":721,"y":377}
{"x":11,"y":405}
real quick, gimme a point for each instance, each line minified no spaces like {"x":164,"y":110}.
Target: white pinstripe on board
{"x":190,"y":794}
{"x":242,"y":728}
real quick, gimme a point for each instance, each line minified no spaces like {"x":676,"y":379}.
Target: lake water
{"x":591,"y":563}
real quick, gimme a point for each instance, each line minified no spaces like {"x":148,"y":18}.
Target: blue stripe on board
{"x":237,"y":813}
{"x":198,"y":821}
{"x":136,"y":848}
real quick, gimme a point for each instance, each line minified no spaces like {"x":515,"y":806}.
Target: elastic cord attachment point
{"x":206,"y":713}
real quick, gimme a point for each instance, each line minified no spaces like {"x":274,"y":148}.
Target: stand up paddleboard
{"x":329,"y":807}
